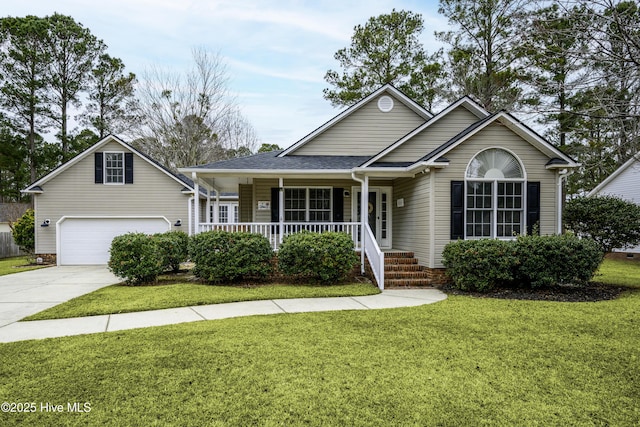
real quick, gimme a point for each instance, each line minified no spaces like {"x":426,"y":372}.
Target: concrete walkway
{"x":69,"y":282}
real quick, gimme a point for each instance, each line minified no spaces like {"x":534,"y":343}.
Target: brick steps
{"x":401,"y":269}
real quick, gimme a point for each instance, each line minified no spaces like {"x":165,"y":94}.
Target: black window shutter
{"x":99,"y":169}
{"x":128,"y":168}
{"x":457,"y":210}
{"x":533,"y":206}
{"x":275,"y":205}
{"x":338,"y":205}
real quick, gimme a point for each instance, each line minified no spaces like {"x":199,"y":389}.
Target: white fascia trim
{"x":93,"y":149}
{"x":531,"y":137}
{"x":471,"y":105}
{"x":261,"y":173}
{"x":613,"y":176}
{"x":395,"y":92}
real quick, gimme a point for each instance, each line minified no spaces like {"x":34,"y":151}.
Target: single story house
{"x":425,"y":180}
{"x":624,"y":183}
{"x":108,"y":190}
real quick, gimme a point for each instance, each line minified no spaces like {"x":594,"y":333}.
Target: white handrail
{"x":272,"y":230}
{"x":375,"y":256}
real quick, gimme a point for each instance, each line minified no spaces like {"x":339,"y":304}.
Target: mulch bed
{"x":563,"y":293}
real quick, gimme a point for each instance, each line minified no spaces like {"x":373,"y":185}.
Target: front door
{"x":379,"y":214}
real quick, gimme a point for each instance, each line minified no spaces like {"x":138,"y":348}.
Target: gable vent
{"x":385,"y":104}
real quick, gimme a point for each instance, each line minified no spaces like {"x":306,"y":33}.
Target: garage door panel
{"x":86,"y":241}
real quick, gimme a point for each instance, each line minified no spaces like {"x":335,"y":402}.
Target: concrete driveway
{"x":26,"y":293}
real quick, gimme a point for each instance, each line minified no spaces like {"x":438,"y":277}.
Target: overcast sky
{"x":277,"y":51}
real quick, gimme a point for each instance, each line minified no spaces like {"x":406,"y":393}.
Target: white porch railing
{"x":375,"y":257}
{"x":271,"y":230}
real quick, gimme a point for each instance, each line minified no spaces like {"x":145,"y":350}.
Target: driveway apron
{"x":27,"y":293}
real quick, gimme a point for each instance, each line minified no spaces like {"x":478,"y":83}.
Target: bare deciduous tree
{"x":191,"y":119}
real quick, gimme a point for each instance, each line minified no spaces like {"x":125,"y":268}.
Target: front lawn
{"x":464,"y":361}
{"x":123,"y":299}
{"x":16,"y":265}
{"x":619,"y":272}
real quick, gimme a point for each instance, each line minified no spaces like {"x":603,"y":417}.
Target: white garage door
{"x":86,"y":241}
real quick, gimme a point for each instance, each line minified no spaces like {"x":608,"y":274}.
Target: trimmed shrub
{"x":174,"y":248}
{"x":136,"y":258}
{"x":479,"y":265}
{"x":327,"y":258}
{"x":23,"y":230}
{"x":220,"y":256}
{"x":529,"y":261}
{"x":551,"y":260}
{"x":609,"y":220}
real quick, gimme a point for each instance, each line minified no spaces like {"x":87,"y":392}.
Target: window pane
{"x":319,"y":204}
{"x":114,"y":168}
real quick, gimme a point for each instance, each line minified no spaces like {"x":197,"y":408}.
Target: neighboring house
{"x":107,"y":190}
{"x":625,"y":184}
{"x":425,"y":181}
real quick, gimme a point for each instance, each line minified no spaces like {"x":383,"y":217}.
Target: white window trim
{"x":104,"y":167}
{"x":308,"y":201}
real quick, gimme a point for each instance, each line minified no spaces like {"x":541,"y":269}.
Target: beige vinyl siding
{"x":495,"y":135}
{"x":411,"y":223}
{"x":432,"y":137}
{"x":245,"y":202}
{"x":74,"y":193}
{"x":367,"y":131}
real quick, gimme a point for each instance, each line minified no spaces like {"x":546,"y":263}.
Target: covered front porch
{"x":279,"y":207}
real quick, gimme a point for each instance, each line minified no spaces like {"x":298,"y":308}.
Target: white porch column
{"x":281,"y":208}
{"x":207,"y":214}
{"x":364,"y":219}
{"x":196,"y":203}
{"x":216,"y":208}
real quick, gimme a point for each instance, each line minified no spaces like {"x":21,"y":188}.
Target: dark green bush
{"x":610,"y":221}
{"x":174,"y":246}
{"x":479,"y":265}
{"x":136,"y":258}
{"x":552,"y":260}
{"x":23,"y":230}
{"x":323,"y":257}
{"x":220,"y":256}
{"x":528,"y":261}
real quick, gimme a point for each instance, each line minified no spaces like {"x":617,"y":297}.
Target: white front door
{"x":379,"y":211}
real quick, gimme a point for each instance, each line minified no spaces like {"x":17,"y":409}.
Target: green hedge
{"x":136,"y":258}
{"x":327,"y":258}
{"x":174,"y":248}
{"x":528,"y":261}
{"x":551,"y":260}
{"x":23,"y":230}
{"x":220,"y":256}
{"x":479,"y":265}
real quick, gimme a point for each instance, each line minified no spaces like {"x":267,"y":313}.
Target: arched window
{"x":494,"y":195}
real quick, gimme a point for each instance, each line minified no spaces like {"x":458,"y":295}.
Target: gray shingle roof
{"x":270,"y":161}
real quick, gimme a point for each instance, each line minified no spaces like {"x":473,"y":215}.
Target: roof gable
{"x":557,"y":158}
{"x":391,"y":153}
{"x":420,"y":113}
{"x":35,"y":187}
{"x":627,"y":167}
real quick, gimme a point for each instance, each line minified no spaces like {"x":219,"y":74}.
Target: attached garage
{"x":86,"y":241}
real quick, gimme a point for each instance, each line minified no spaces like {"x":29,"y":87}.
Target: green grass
{"x":463,"y":361}
{"x":123,"y":299}
{"x":16,"y":265}
{"x":619,"y":272}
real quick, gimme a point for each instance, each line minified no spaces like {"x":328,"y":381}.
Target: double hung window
{"x":307,"y":204}
{"x":114,"y":168}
